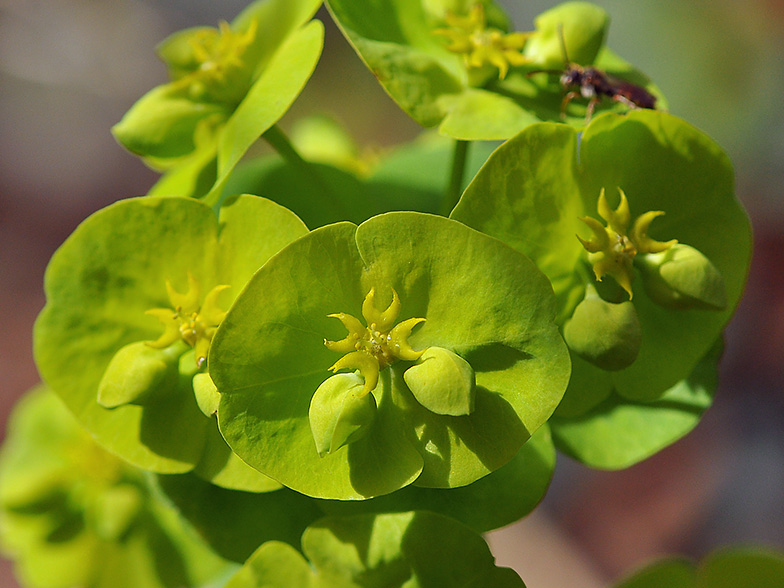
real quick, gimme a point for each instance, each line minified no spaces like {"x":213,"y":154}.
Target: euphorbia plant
{"x":349,"y":400}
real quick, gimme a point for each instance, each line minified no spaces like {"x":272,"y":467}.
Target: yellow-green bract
{"x":134,"y":257}
{"x":539,"y":193}
{"x":481,"y":300}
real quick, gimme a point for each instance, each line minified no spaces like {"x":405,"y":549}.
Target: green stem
{"x":453,"y":191}
{"x":280,"y":142}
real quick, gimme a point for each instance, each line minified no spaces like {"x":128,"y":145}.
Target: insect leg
{"x":565,"y":102}
{"x":589,"y":111}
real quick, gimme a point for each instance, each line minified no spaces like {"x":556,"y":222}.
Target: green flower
{"x":376,"y":346}
{"x":488,"y":321}
{"x":228,"y":86}
{"x":72,"y":514}
{"x":643,"y":368}
{"x":612,"y":249}
{"x":190,"y":319}
{"x":134,"y":297}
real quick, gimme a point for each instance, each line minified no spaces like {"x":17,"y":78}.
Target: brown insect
{"x":594,"y":85}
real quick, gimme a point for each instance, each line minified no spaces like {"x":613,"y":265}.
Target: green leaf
{"x":278,"y":19}
{"x":104,"y":278}
{"x":673,"y":573}
{"x":735,"y":567}
{"x":191,"y":177}
{"x":264,"y":59}
{"x":411,"y":177}
{"x":235,"y":523}
{"x":274,"y":565}
{"x":163,"y":122}
{"x":269,"y":98}
{"x":499,"y":499}
{"x":731,"y":567}
{"x":618,"y":433}
{"x":102,"y":525}
{"x":480,"y":298}
{"x":419,"y":549}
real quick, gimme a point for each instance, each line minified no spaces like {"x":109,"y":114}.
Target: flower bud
{"x":604,"y":333}
{"x":581,"y":26}
{"x":682,"y":278}
{"x":442,"y":382}
{"x":340,"y":413}
{"x":207,"y":395}
{"x":138,"y":372}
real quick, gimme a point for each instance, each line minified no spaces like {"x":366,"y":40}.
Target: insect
{"x":593,"y":84}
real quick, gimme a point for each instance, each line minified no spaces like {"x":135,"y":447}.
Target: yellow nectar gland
{"x":370,"y":349}
{"x":612,"y":249}
{"x":479,"y":44}
{"x":221,"y":73}
{"x":188,"y":320}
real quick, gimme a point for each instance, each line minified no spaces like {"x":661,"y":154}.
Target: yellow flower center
{"x":611,"y":249}
{"x":381,"y":343}
{"x":220,"y":73}
{"x":480,"y":45}
{"x":189,"y":319}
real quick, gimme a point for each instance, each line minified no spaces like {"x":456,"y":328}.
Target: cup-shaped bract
{"x":228,"y":86}
{"x":499,"y":499}
{"x":570,"y":32}
{"x":138,"y":372}
{"x":416,"y":548}
{"x":98,"y":341}
{"x":479,"y":298}
{"x":663,"y":180}
{"x":606,"y":334}
{"x":339,"y":413}
{"x":443,"y":382}
{"x":72,"y":514}
{"x":682,"y":277}
{"x":459,"y":65}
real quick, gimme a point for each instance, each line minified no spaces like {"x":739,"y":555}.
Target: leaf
{"x":269,"y":98}
{"x":235,"y":523}
{"x":499,"y":499}
{"x":102,"y":525}
{"x":411,"y":177}
{"x":727,"y":568}
{"x":673,"y":573}
{"x":273,"y":565}
{"x":618,"y":433}
{"x":408,"y":549}
{"x":163,"y":122}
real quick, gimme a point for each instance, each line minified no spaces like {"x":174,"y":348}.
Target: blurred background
{"x":69,"y":69}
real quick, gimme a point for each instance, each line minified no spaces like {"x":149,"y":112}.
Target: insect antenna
{"x":562,"y":40}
